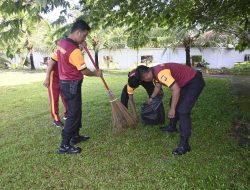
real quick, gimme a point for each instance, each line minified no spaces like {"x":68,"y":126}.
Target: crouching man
{"x":127,"y":97}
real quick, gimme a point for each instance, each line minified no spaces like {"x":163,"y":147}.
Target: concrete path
{"x":241,"y":130}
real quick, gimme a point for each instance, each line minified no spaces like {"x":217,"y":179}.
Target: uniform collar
{"x":153,"y":72}
{"x":71,"y":41}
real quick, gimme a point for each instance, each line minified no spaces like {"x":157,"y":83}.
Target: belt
{"x":69,"y":81}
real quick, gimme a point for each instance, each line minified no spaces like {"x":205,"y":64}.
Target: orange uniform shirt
{"x":70,"y":60}
{"x":169,"y":73}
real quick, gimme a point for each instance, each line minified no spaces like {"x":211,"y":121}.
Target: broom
{"x":121,"y":118}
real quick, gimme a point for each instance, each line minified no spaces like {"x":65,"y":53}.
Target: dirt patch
{"x":241,"y":131}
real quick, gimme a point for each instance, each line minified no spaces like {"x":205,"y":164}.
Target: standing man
{"x":186,"y":85}
{"x":52,"y":83}
{"x":71,"y":68}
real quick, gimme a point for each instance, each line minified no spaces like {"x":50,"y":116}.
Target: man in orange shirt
{"x":52,"y":83}
{"x":72,"y":67}
{"x":186,"y":85}
{"x":127,"y":96}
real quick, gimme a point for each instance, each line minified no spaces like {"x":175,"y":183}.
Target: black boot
{"x":171,"y":127}
{"x":183,"y":147}
{"x":77,"y":138}
{"x":68,"y":149}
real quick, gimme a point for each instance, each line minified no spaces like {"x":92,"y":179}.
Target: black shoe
{"x":183,"y":147}
{"x":68,"y":149}
{"x":169,"y":128}
{"x":58,"y":123}
{"x":77,"y":139}
{"x":180,"y":150}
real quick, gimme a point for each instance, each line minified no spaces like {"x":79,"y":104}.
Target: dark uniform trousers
{"x":72,"y":93}
{"x":188,"y":96}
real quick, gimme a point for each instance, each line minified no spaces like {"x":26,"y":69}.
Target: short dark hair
{"x":80,"y":25}
{"x":140,"y":70}
{"x":133,"y":82}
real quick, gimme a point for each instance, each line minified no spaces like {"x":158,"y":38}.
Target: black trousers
{"x":188,"y":96}
{"x":148,"y":86}
{"x":72,"y":93}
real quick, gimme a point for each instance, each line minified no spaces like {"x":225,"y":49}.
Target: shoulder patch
{"x":164,"y":78}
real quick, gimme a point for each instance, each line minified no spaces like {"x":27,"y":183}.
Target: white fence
{"x":128,"y":58}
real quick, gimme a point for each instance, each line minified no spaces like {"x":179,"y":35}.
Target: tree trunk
{"x":137,"y":57}
{"x":96,"y":58}
{"x":187,"y":50}
{"x":32,"y":60}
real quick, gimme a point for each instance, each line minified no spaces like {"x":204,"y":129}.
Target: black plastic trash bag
{"x":153,"y":113}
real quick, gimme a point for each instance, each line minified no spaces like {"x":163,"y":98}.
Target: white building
{"x":128,"y":58}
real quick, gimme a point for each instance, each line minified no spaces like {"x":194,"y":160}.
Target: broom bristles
{"x":121,"y":118}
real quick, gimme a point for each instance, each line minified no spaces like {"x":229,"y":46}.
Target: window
{"x":247,"y":57}
{"x":147,"y":59}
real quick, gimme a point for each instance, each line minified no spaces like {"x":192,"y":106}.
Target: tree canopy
{"x":18,"y":18}
{"x":143,"y":19}
{"x":227,"y":16}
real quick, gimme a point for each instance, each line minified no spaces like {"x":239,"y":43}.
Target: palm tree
{"x":185,"y":37}
{"x":109,"y":38}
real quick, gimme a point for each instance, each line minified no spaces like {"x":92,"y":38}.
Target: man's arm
{"x":156,"y":91}
{"x":175,"y":90}
{"x":50,"y":67}
{"x":87,"y":72}
{"x":132,"y":105}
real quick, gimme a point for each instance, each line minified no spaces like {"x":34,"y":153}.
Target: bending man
{"x":186,"y":85}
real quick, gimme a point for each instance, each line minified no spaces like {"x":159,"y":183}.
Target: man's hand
{"x":99,"y":73}
{"x":150,"y":100}
{"x":171,"y":113}
{"x":83,"y":45}
{"x":46,"y":82}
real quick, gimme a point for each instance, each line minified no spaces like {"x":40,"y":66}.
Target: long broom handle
{"x":92,"y":60}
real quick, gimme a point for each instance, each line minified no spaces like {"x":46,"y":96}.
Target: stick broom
{"x":121,"y":117}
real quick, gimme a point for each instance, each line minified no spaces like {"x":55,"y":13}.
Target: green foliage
{"x":204,"y":64}
{"x":231,"y":17}
{"x":17,"y":21}
{"x":4,"y":62}
{"x":137,"y":39}
{"x":197,"y":58}
{"x":242,"y":67}
{"x":227,"y":17}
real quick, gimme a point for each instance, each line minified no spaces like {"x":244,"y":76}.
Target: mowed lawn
{"x":135,"y":159}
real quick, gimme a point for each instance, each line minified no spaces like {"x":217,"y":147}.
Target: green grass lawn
{"x":135,"y":159}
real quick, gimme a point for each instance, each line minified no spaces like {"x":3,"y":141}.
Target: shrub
{"x":242,"y":67}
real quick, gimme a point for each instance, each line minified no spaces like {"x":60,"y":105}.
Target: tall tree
{"x":228,"y":16}
{"x":16,"y":16}
{"x":109,"y":38}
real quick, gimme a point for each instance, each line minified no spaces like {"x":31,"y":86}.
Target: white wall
{"x":216,"y":57}
{"x":37,"y":56}
{"x":127,"y":58}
